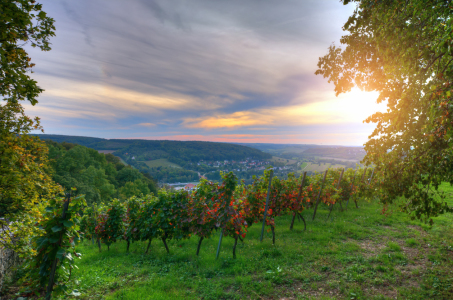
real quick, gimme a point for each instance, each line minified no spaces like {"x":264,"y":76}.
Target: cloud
{"x":146,"y":124}
{"x":234,"y":47}
{"x":190,"y":68}
{"x":353,"y":107}
{"x":237,"y":119}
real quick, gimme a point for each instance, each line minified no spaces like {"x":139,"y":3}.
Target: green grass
{"x":314,"y":167}
{"x":163,"y":162}
{"x":356,"y":254}
{"x":411,"y":242}
{"x":123,"y":162}
{"x":282,"y":160}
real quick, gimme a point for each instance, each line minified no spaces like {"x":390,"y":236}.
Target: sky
{"x":209,"y":70}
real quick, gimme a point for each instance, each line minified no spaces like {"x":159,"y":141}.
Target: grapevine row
{"x":228,"y":207}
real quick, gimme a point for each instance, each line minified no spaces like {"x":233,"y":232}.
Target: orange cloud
{"x":146,"y":124}
{"x":234,"y":120}
{"x":353,"y":107}
{"x":310,"y":138}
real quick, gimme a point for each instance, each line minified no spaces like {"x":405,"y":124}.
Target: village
{"x":244,"y":165}
{"x":244,"y":169}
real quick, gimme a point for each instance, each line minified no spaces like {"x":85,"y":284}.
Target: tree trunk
{"x":199,"y":245}
{"x":319,"y":195}
{"x":164,"y":239}
{"x":128,"y":243}
{"x":99,"y":244}
{"x":305,"y":224}
{"x":292,"y":221}
{"x":331,"y":208}
{"x":234,"y":247}
{"x":147,"y":248}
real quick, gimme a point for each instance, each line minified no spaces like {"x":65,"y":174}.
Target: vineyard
{"x":229,"y":208}
{"x":119,"y":236}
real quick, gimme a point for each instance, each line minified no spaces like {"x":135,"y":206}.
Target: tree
{"x":403,"y":50}
{"x":23,"y":181}
{"x":21,"y":22}
{"x":136,"y":188}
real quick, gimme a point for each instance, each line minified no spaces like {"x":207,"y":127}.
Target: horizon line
{"x":185,"y":140}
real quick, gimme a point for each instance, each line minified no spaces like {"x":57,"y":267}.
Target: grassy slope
{"x":321,"y":168}
{"x":282,"y":160}
{"x":358,"y":254}
{"x":106,"y":151}
{"x":163,"y":162}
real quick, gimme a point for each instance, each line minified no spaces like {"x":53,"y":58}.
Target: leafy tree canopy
{"x":24,"y":185}
{"x":21,"y":22}
{"x":99,"y":177}
{"x":402,"y":49}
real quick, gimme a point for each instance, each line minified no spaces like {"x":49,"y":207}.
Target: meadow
{"x":322,"y":167}
{"x":358,"y":253}
{"x":282,"y":160}
{"x":162,"y":162}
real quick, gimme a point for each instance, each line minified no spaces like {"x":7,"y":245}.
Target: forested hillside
{"x":100,"y":177}
{"x":185,"y":161}
{"x":144,"y":150}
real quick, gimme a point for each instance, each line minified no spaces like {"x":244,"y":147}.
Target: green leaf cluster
{"x":98,"y":176}
{"x":56,"y":243}
{"x":404,"y":51}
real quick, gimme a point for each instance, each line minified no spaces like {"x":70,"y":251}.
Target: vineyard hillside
{"x":359,"y":253}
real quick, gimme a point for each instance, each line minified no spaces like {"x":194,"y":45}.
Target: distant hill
{"x":90,"y":142}
{"x":309,"y":151}
{"x":337,"y":152}
{"x":145,"y":150}
{"x":170,"y":161}
{"x":280,"y":148}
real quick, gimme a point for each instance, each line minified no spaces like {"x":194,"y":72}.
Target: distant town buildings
{"x":189,"y":187}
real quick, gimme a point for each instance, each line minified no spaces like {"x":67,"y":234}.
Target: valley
{"x":170,"y":162}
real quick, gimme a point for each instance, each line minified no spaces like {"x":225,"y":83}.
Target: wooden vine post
{"x":338,"y":185}
{"x":147,"y":248}
{"x":298,"y":201}
{"x":369,"y":180}
{"x":199,"y":245}
{"x":319,"y":195}
{"x":164,"y":240}
{"x":220,"y":243}
{"x":235,"y":244}
{"x":220,"y":240}
{"x":352,"y":185}
{"x":371,"y":177}
{"x":363,"y":178}
{"x":267,"y":204}
{"x":55,"y":262}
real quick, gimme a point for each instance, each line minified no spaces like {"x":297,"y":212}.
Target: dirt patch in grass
{"x":418,"y":253}
{"x":386,"y":291}
{"x":371,"y":248}
{"x":419,"y":229}
{"x":322,"y":289}
{"x":412,"y":253}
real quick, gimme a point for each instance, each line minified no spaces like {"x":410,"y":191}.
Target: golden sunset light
{"x":214,"y":150}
